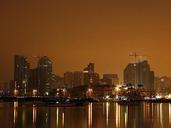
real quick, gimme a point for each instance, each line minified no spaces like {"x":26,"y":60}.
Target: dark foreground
{"x":93,"y":115}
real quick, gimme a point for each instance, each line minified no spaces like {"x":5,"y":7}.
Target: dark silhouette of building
{"x":33,"y":79}
{"x":68,"y":79}
{"x":78,"y":78}
{"x":163,"y":83}
{"x":139,"y":74}
{"x":21,"y":73}
{"x":95,"y":78}
{"x":89,"y":74}
{"x":110,"y":79}
{"x":45,"y":74}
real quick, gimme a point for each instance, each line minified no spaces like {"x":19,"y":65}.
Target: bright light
{"x":168,"y":96}
{"x":85,"y":71}
{"x":64,"y":90}
{"x":117,"y":89}
{"x":158,"y":96}
{"x":90,"y":90}
{"x":15,"y":92}
{"x":126,"y":88}
{"x":117,"y":97}
{"x":34,"y":92}
{"x":107,"y":97}
{"x":162,"y":80}
{"x":47,"y":93}
{"x":147,"y":98}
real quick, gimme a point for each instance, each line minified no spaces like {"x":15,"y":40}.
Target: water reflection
{"x":107,"y":113}
{"x":15,"y":112}
{"x":90,"y":115}
{"x":57,"y":117}
{"x":34,"y":115}
{"x":94,"y":115}
{"x":117,"y":115}
{"x":169,"y":114}
{"x":126,"y":116}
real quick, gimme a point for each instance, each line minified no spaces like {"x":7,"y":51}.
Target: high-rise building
{"x":21,"y":73}
{"x":88,"y":74}
{"x":45,"y":74}
{"x":68,"y":79}
{"x":95,"y":78}
{"x":33,"y":79}
{"x":139,"y":73}
{"x":89,"y":68}
{"x":78,"y":78}
{"x":110,"y":79}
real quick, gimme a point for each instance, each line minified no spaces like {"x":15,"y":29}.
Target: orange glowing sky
{"x":75,"y":32}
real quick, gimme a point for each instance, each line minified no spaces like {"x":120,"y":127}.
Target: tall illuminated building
{"x":139,"y":73}
{"x":21,"y":73}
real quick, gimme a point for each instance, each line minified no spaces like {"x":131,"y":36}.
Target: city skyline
{"x":33,"y":65}
{"x":74,"y":33}
{"x":85,"y":63}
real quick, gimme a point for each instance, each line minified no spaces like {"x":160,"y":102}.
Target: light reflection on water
{"x":94,"y":115}
{"x":90,"y":115}
{"x":34,"y":116}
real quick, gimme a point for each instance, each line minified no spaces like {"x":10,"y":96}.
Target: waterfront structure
{"x":110,"y":79}
{"x":21,"y":73}
{"x":139,"y":73}
{"x":97,"y":91}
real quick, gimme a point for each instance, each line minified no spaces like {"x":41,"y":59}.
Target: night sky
{"x":75,"y":32}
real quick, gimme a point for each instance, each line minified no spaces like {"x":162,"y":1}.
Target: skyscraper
{"x":45,"y":74}
{"x":33,"y":79}
{"x":88,"y":74}
{"x":95,"y":78}
{"x":21,"y":73}
{"x":139,"y":73}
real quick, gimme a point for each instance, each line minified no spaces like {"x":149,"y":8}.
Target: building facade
{"x":78,"y":78}
{"x":139,"y":74}
{"x":68,"y":79}
{"x":45,"y":75}
{"x":110,"y":79}
{"x":21,"y":73}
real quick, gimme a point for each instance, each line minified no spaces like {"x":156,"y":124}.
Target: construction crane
{"x":138,"y":58}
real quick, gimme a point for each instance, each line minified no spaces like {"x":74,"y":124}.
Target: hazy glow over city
{"x":74,"y":33}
